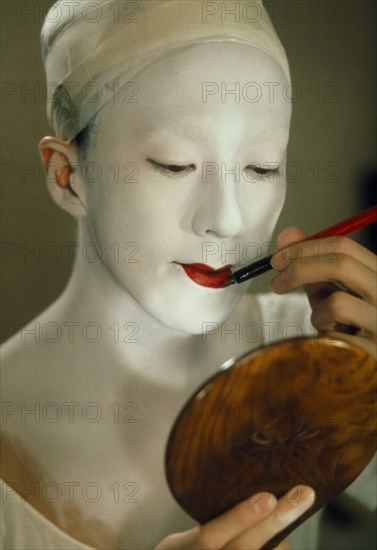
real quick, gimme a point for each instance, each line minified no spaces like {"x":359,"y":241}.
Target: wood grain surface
{"x":301,"y":411}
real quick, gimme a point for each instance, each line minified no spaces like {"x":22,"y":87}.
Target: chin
{"x":198,"y":320}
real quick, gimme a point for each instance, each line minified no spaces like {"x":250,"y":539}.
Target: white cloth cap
{"x":86,"y":45}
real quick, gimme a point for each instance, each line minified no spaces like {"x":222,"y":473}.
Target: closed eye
{"x":172,"y":170}
{"x":262,"y":171}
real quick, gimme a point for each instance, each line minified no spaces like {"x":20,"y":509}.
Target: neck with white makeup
{"x":130,"y":338}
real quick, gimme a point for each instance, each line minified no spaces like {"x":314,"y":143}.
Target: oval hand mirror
{"x":300,"y":411}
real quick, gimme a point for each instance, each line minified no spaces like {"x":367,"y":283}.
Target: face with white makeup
{"x":185,"y":203}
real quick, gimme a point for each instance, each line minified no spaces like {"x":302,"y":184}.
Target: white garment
{"x":24,"y":528}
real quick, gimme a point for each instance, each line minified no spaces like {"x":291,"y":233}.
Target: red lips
{"x":205,"y":275}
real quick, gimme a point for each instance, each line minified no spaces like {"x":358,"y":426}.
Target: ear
{"x":64,"y":179}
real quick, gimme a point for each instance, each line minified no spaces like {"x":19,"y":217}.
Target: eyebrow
{"x":188,"y":130}
{"x":163,"y":122}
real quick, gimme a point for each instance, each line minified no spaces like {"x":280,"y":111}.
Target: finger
{"x":317,"y":292}
{"x":182,"y":541}
{"x":326,"y":250}
{"x":370,"y":346}
{"x":289,"y":236}
{"x":343,"y":308}
{"x":243,"y":516}
{"x":288,"y":509}
{"x":282,"y":546}
{"x":348,"y":271}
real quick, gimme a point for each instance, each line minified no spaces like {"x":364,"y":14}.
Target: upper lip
{"x":207,"y":269}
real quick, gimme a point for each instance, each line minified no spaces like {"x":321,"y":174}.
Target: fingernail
{"x":302,"y":495}
{"x":264,"y":501}
{"x":301,"y":499}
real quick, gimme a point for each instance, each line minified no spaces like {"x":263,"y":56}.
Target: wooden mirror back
{"x":300,"y":411}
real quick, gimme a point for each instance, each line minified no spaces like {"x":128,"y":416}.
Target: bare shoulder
{"x":19,"y":359}
{"x":13,"y":362}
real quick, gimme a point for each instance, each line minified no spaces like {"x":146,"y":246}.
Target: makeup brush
{"x":342,"y":228}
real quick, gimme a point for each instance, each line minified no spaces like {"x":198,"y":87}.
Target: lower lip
{"x":217,"y":279}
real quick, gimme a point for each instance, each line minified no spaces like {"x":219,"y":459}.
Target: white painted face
{"x":215,"y":209}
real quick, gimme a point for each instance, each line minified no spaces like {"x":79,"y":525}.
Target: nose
{"x":219,"y":213}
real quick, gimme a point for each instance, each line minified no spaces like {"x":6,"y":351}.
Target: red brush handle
{"x":348,"y":226}
{"x":343,"y":228}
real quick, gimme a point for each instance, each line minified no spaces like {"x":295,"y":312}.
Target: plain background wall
{"x":331,"y":46}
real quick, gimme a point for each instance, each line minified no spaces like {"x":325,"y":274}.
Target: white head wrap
{"x":87,"y":44}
